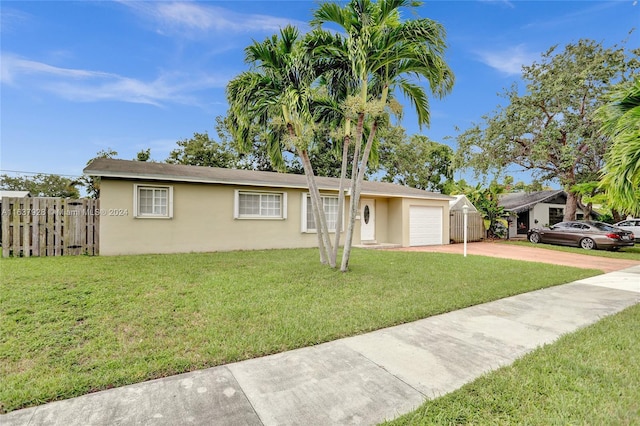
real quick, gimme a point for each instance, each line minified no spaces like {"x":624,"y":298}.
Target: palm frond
{"x":418,"y":98}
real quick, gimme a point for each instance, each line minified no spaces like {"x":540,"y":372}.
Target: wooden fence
{"x":475,"y":226}
{"x":49,"y":227}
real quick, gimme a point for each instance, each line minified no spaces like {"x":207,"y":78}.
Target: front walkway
{"x":357,"y":380}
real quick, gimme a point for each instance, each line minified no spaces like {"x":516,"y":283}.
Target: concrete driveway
{"x":532,"y":254}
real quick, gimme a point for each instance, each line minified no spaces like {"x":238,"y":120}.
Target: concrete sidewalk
{"x":357,"y":380}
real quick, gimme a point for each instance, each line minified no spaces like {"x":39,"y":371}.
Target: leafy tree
{"x":620,"y":119}
{"x":256,"y":158}
{"x":534,"y":186}
{"x":587,"y":193}
{"x":42,"y":185}
{"x":143,"y":155}
{"x":416,"y":162}
{"x":458,"y":187}
{"x":486,"y":201}
{"x":374,"y":54}
{"x":92,"y":183}
{"x":202,"y":151}
{"x":325,"y":160}
{"x":549,"y":129}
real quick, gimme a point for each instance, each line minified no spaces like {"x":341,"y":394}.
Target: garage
{"x":425,"y":226}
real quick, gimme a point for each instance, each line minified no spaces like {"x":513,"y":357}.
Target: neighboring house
{"x":534,"y":209}
{"x":151,"y":207}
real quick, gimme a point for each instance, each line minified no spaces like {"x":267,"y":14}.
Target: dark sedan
{"x":586,"y":234}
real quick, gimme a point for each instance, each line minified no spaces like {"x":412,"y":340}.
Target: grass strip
{"x":626,"y":253}
{"x":590,"y":377}
{"x":74,"y":325}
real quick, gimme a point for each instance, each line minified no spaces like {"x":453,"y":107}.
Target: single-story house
{"x":534,"y":209}
{"x":148,"y":207}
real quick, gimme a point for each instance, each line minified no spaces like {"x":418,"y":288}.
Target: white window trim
{"x":303,"y":216}
{"x":236,"y":205}
{"x":136,"y":194}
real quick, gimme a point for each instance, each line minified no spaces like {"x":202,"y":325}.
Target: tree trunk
{"x":587,"y":209}
{"x":319,"y":217}
{"x":353,"y":204}
{"x":571,"y":206}
{"x":617,"y":217}
{"x":355,"y":194}
{"x":343,"y":175}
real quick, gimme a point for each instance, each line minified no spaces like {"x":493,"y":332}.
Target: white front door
{"x":367,"y":220}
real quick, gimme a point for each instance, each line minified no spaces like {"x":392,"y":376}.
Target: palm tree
{"x":277,"y":96}
{"x":621,"y":122}
{"x":382,"y":53}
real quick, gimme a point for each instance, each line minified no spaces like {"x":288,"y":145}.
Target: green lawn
{"x":591,"y":377}
{"x":72,"y":325}
{"x":627,"y":253}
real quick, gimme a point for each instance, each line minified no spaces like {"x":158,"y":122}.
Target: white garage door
{"x":425,"y":226}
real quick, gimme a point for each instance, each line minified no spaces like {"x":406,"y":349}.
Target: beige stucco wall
{"x":406,"y":205}
{"x":382,"y":220}
{"x":395,"y":221}
{"x":203,"y":221}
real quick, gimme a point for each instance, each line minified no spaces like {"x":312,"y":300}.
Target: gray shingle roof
{"x":521,"y":201}
{"x":126,"y":169}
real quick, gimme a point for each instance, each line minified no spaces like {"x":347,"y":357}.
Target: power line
{"x":37,"y":173}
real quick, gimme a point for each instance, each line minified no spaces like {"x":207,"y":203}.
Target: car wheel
{"x":534,"y":237}
{"x":587,"y":243}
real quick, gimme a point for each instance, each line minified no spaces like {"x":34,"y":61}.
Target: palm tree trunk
{"x":324,"y":242}
{"x":353,"y":204}
{"x":343,"y":175}
{"x":355,"y":193}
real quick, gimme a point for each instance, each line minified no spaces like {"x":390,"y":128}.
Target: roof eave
{"x":175,"y":178}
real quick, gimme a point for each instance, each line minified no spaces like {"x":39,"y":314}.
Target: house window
{"x":330,"y":206}
{"x":153,"y":201}
{"x":260,"y":205}
{"x":556,"y":215}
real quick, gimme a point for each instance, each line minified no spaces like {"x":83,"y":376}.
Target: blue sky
{"x":80,"y":77}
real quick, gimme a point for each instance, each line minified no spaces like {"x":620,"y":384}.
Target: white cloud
{"x":10,"y":19}
{"x":508,"y":61}
{"x":501,"y":2}
{"x":90,"y":86}
{"x":580,"y":16}
{"x":13,"y":66}
{"x":191,"y":19}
